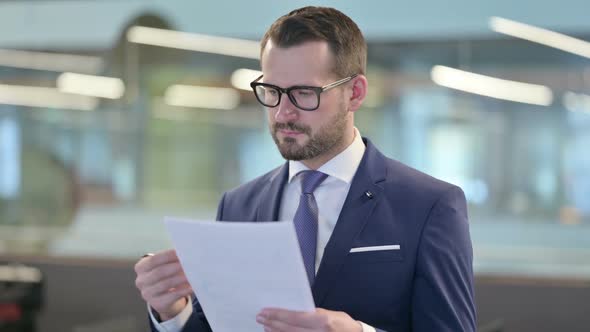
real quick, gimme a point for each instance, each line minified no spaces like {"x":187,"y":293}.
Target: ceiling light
{"x":202,"y":97}
{"x":241,"y":78}
{"x":194,"y":42}
{"x":491,"y":86}
{"x":89,"y":85}
{"x":541,"y":36}
{"x":32,"y":96}
{"x":50,"y":61}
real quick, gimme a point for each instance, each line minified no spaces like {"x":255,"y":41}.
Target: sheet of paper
{"x":238,"y":268}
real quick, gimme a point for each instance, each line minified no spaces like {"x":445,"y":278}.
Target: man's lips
{"x":289,"y":132}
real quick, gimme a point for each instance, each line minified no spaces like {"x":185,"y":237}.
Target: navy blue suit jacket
{"x":426,"y":285}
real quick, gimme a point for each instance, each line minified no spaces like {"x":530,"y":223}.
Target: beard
{"x":325,"y":139}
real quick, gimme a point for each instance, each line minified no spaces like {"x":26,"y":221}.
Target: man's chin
{"x":291,"y":151}
{"x":289,"y":146}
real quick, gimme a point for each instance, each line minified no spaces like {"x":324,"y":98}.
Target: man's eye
{"x":303,"y":93}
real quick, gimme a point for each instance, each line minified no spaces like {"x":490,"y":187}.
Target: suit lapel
{"x":270,"y":199}
{"x":363,"y":196}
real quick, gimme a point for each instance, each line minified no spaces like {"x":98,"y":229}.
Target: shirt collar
{"x":343,"y":166}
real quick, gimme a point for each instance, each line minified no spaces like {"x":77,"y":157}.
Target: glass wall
{"x":93,"y":177}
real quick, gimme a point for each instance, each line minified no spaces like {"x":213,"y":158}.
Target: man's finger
{"x":168,"y":299}
{"x":146,"y":264}
{"x":272,"y":325}
{"x":292,"y":318}
{"x":162,"y":272}
{"x":165,"y":285}
{"x":278,"y":326}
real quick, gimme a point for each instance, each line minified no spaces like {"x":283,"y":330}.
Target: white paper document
{"x":238,"y":268}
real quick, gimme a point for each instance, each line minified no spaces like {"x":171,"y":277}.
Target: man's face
{"x":305,"y":135}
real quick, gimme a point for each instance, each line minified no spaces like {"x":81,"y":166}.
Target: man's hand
{"x":321,"y":320}
{"x":162,"y":283}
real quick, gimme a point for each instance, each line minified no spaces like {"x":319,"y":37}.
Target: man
{"x":386,"y":247}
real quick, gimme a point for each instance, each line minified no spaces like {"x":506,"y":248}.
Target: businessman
{"x":385,"y":247}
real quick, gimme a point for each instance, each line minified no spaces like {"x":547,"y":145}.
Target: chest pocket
{"x":375,"y":254}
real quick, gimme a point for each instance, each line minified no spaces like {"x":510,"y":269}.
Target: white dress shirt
{"x":330,"y":196}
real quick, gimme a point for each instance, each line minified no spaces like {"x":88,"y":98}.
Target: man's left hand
{"x":321,"y":320}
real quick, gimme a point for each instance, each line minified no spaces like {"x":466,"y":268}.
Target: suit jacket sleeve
{"x":197,"y":322}
{"x":442,"y":296}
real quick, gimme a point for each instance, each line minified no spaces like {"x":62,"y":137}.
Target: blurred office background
{"x":116,"y":113}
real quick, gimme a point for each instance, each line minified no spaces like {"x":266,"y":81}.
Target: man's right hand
{"x":162,"y":283}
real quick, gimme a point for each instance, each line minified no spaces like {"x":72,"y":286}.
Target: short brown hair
{"x":343,"y":36}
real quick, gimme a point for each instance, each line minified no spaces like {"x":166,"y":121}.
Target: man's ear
{"x":360,"y":87}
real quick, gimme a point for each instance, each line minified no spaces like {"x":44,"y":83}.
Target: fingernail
{"x":260,"y":319}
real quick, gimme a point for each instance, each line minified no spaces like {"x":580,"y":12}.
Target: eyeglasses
{"x":304,"y":97}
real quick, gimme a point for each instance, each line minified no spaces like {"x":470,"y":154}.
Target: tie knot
{"x":311,"y":180}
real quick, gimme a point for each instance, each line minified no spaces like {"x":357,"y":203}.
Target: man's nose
{"x":285,"y":111}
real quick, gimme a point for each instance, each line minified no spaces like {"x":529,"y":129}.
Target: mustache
{"x":290,"y":126}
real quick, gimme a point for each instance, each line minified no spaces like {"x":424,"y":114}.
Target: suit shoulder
{"x":250,"y":188}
